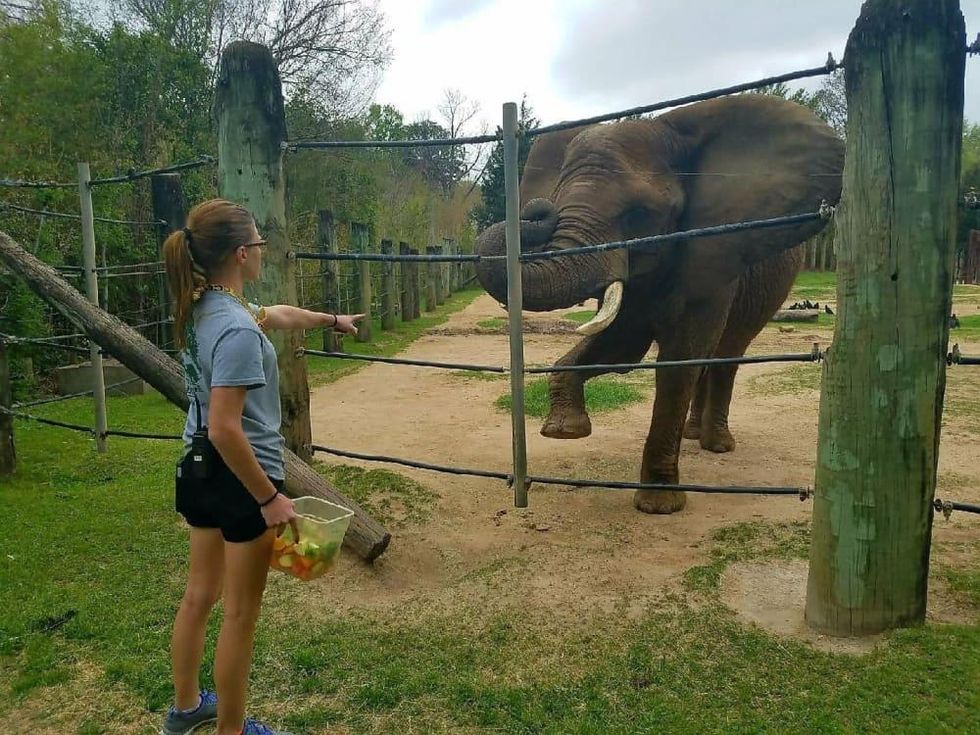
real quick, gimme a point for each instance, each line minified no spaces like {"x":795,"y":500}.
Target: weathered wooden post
{"x":431,"y":271}
{"x":439,"y":272}
{"x":8,"y":457}
{"x":169,"y":209}
{"x":416,"y":288}
{"x":408,"y":313}
{"x":251,"y":131}
{"x":360,"y":240}
{"x":884,"y":378}
{"x":326,"y":242}
{"x":447,"y":288}
{"x":388,"y":289}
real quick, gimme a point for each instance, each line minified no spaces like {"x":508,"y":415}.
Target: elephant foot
{"x":719,"y":440}
{"x":661,"y":502}
{"x":567,"y":426}
{"x":692,"y":429}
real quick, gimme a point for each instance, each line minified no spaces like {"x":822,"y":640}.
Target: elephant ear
{"x":745,"y":158}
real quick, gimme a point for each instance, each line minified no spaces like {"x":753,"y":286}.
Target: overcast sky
{"x":576,"y":58}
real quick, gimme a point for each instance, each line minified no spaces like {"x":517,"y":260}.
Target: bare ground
{"x":575,"y":553}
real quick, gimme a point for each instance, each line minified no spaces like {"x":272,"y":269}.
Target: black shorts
{"x":221,"y":501}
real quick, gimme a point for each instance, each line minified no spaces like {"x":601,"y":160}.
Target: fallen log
{"x":366,"y":537}
{"x":796,"y":315}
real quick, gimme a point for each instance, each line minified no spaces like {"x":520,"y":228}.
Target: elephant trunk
{"x":546,"y":284}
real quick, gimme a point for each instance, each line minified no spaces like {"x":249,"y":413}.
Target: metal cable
{"x":946,"y":507}
{"x":815,"y":356}
{"x":296,"y":145}
{"x":825,"y":212}
{"x":50,"y":422}
{"x":402,"y":361}
{"x":802,"y":492}
{"x":411,"y":463}
{"x":68,"y":215}
{"x":67,"y":396}
{"x":132,"y":174}
{"x":23,"y":184}
{"x":829,"y":67}
{"x":137,"y":435}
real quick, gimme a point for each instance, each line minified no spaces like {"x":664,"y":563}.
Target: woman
{"x":230,"y":479}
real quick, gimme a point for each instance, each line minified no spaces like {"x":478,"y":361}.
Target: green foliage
{"x":492,"y":209}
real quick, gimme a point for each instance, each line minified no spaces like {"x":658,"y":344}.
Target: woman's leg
{"x":246,"y":569}
{"x":203,"y":590}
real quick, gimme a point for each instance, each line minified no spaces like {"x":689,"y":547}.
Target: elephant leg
{"x":696,"y":337}
{"x":692,"y":429}
{"x":760,"y":293}
{"x":621,"y":342}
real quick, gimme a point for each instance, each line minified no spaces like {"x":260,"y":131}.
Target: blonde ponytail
{"x":214,"y":229}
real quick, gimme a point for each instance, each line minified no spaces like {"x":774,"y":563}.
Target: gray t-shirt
{"x":225,"y":347}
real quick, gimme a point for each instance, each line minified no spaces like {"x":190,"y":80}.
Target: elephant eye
{"x":637,"y":220}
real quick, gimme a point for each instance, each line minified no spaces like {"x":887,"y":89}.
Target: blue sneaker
{"x":182,"y":723}
{"x":254,"y":727}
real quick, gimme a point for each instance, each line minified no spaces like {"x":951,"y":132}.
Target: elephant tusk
{"x":611,"y":302}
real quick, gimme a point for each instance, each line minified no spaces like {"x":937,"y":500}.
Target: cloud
{"x":632,"y":52}
{"x":441,"y":12}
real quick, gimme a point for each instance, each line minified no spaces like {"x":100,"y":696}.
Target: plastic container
{"x":322,"y":526}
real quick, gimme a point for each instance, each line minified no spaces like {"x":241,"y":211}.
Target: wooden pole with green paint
{"x":884,"y":379}
{"x":251,"y":130}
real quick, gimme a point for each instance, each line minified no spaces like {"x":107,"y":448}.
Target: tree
{"x":335,"y":47}
{"x":493,"y":207}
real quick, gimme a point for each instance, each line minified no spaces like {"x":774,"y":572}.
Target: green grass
{"x":792,"y":380}
{"x":814,"y":286}
{"x":580,"y":317}
{"x":600,"y":395}
{"x":746,"y":541}
{"x":323,"y":370}
{"x":391,"y":498}
{"x":97,"y":534}
{"x":969,"y":328}
{"x":493,"y":323}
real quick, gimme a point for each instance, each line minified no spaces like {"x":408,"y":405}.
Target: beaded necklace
{"x":259,"y":318}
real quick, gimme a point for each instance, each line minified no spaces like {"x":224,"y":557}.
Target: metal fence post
{"x":515,"y":302}
{"x":92,"y":289}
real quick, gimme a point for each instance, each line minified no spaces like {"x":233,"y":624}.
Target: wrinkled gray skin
{"x":728,"y":160}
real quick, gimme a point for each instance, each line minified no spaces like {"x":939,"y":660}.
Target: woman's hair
{"x":192,"y":255}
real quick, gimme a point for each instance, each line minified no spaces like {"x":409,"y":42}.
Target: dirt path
{"x":571,"y":551}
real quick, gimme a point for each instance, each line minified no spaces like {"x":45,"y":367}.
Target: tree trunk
{"x":884,"y":378}
{"x":251,"y":130}
{"x":169,"y":206}
{"x":366,"y":537}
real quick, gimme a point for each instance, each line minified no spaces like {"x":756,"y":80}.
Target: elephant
{"x":728,"y":160}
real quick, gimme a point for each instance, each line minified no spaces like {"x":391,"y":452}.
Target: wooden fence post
{"x":170,"y":208}
{"x":8,"y":457}
{"x":884,"y":378}
{"x":326,"y":242}
{"x":408,"y":312}
{"x":447,"y":288}
{"x":251,"y":130}
{"x":388,"y":289}
{"x":416,"y":287}
{"x":360,"y":240}
{"x":431,"y":280}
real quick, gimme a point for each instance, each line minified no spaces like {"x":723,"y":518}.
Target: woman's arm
{"x":226,"y":434}
{"x":284,"y":316}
